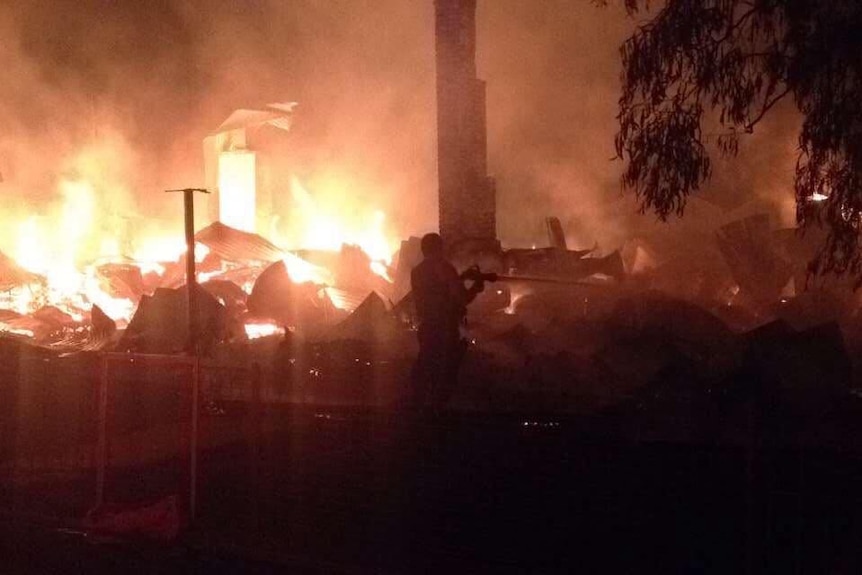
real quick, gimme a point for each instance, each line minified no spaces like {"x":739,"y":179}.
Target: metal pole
{"x":191,"y":277}
{"x":191,"y":282}
{"x":256,"y":432}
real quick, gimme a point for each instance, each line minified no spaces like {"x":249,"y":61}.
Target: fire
{"x":63,"y":248}
{"x":380,"y":269}
{"x":35,"y":250}
{"x":340,"y":222}
{"x":300,"y":271}
{"x":54,"y":248}
{"x":515,"y":297}
{"x":6,"y":328}
{"x":254,"y":330}
{"x":154,"y":250}
{"x":66,"y":243}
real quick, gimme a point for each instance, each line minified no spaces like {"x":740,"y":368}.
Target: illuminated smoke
{"x":154,"y":78}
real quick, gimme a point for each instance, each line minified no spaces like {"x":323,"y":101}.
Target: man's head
{"x":432,"y":245}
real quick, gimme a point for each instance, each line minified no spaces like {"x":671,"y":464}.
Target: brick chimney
{"x":467,"y":200}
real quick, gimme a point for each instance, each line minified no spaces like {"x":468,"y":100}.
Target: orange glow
{"x":86,"y":226}
{"x":380,"y":269}
{"x":301,"y":271}
{"x":337,"y":298}
{"x":153,"y":250}
{"x":6,"y":328}
{"x":54,"y":249}
{"x":515,"y":297}
{"x":335,"y":218}
{"x":62,"y":247}
{"x":255,"y":330}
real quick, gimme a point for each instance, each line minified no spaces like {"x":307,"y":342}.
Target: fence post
{"x":800,"y":509}
{"x":193,"y":443}
{"x":102,"y":443}
{"x":256,"y":432}
{"x":751,"y":549}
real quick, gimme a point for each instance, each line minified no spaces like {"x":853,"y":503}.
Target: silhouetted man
{"x":441,"y":303}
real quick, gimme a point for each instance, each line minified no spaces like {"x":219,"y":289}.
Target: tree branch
{"x":749,"y":127}
{"x":732,"y":26}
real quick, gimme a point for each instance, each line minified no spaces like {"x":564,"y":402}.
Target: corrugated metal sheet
{"x":346,"y":300}
{"x":238,"y":246}
{"x":278,"y":115}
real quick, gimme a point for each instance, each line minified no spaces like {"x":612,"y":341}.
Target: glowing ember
{"x":514,"y":298}
{"x":301,"y":271}
{"x":6,"y":328}
{"x":259,"y":330}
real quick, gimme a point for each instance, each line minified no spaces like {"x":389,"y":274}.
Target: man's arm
{"x":459,"y":293}
{"x":471,"y":292}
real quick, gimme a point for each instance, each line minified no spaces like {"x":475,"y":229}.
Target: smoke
{"x":89,"y":92}
{"x":148,"y":80}
{"x":552,"y":69}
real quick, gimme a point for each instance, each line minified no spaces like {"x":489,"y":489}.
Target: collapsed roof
{"x":234,"y":245}
{"x":279,"y":115}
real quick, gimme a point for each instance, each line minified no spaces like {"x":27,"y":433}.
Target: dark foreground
{"x":331,"y":491}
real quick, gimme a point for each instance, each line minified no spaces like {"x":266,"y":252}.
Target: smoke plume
{"x":135,"y":86}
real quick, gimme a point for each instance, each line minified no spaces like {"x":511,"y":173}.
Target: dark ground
{"x":360,"y":491}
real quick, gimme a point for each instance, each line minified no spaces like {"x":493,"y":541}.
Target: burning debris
{"x":155,"y":329}
{"x":563,"y":328}
{"x":231,"y":163}
{"x":320,"y":273}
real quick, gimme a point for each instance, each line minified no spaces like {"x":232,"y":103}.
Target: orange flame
{"x":63,"y":245}
{"x":255,"y":330}
{"x":327,"y":226}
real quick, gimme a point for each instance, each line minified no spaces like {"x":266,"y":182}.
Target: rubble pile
{"x":580,"y":330}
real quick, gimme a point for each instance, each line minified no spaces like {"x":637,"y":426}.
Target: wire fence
{"x":119,"y":428}
{"x":80,"y":422}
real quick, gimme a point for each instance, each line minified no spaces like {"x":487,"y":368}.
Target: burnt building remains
{"x":467,"y":205}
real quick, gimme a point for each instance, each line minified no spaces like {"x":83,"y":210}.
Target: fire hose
{"x":475,"y":274}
